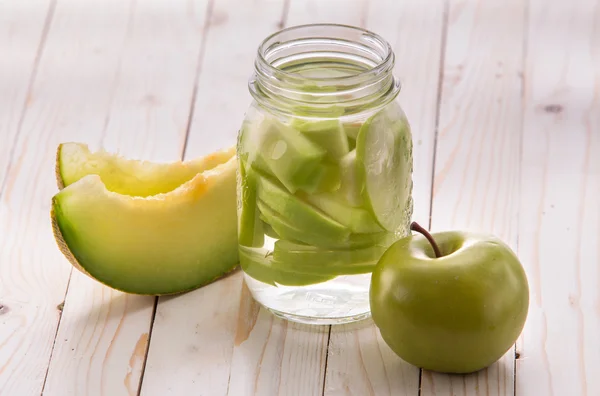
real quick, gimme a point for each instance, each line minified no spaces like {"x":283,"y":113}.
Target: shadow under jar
{"x":325,"y":172}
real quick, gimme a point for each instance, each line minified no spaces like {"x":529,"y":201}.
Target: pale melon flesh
{"x":162,"y":244}
{"x":130,"y":176}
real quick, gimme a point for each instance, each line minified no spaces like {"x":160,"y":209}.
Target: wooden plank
{"x":360,"y":363}
{"x":346,"y":12}
{"x":33,"y":274}
{"x":359,"y":360}
{"x":276,"y":357}
{"x":560,"y":192}
{"x":224,"y":341}
{"x":23,"y":28}
{"x":127,"y":89}
{"x":222,"y":94}
{"x":478,"y":149}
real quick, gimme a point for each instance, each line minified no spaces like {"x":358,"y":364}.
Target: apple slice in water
{"x":351,"y":184}
{"x":268,"y":230}
{"x":327,"y":133}
{"x":250,"y":227}
{"x":266,"y":269}
{"x":358,"y":220}
{"x":300,"y":214}
{"x":351,"y":129}
{"x":326,"y":178}
{"x":287,"y":230}
{"x":310,"y":259}
{"x":288,"y":154}
{"x":384,"y":157}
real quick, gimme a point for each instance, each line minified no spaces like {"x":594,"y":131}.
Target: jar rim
{"x":386,"y":62}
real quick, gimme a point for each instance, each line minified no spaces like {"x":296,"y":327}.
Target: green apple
{"x":456,"y":310}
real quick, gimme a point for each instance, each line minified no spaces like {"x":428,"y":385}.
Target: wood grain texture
{"x":192,"y":341}
{"x":560,"y":195}
{"x":346,"y":12}
{"x":23,"y":28}
{"x":360,"y":363}
{"x":519,"y":160}
{"x":225,"y":343}
{"x":418,"y":68}
{"x":139,"y":60}
{"x":31,"y":284}
{"x":228,"y":62}
{"x":478,"y":149}
{"x":276,"y":357}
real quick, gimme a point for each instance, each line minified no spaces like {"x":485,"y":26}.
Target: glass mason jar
{"x":325,"y":172}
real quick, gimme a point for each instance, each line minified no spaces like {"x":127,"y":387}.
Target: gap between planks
{"x":32,"y":77}
{"x":205,"y":29}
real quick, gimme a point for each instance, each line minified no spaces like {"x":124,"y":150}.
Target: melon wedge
{"x":128,"y":176}
{"x":161,"y":244}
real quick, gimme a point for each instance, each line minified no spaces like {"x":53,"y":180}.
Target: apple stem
{"x":414,"y":226}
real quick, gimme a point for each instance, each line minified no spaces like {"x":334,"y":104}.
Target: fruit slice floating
{"x":383,"y":152}
{"x":250,"y":229}
{"x":289,"y":231}
{"x":299,"y":214}
{"x":286,"y":230}
{"x":350,"y":186}
{"x":328,"y":134}
{"x":165,"y":243}
{"x":127,"y":176}
{"x":269,"y":231}
{"x":351,"y":129}
{"x":310,"y":259}
{"x":289,"y":155}
{"x":358,"y":220}
{"x":356,"y":241}
{"x":326,"y":178}
{"x":266,"y":269}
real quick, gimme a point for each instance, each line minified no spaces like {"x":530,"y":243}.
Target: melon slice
{"x":128,"y":176}
{"x":161,"y":244}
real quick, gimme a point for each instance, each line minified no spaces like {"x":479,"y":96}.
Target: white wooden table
{"x":504,"y":101}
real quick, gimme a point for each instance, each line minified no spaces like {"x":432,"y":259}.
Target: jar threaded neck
{"x":317,"y":66}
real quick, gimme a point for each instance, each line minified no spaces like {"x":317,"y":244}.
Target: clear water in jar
{"x":319,"y":201}
{"x":342,"y":299}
